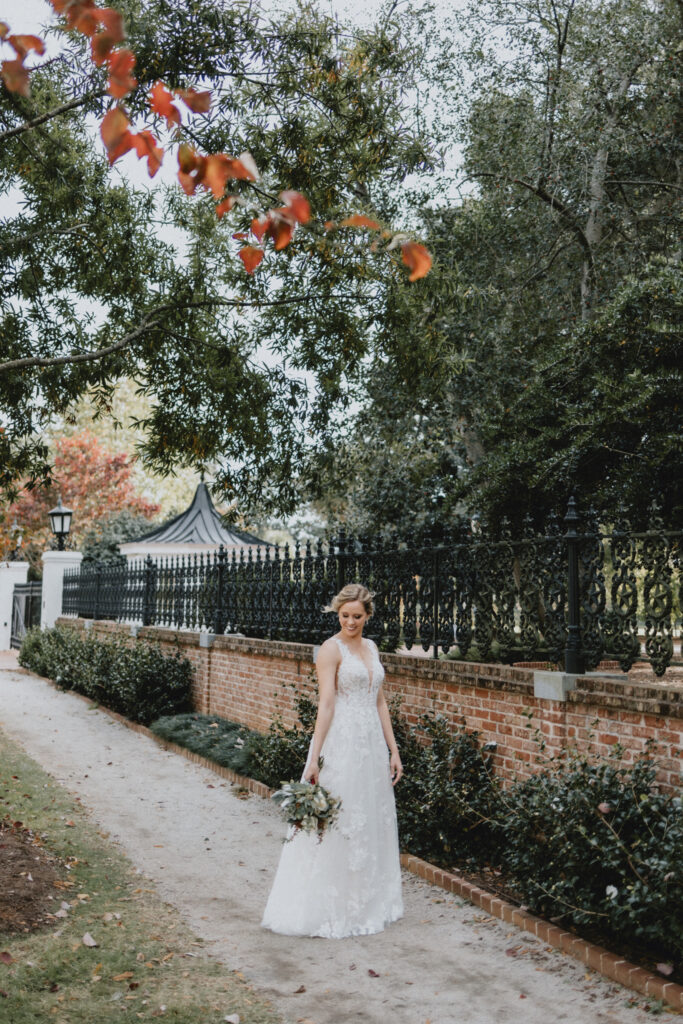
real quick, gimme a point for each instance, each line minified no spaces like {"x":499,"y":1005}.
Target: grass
{"x":147,"y":965}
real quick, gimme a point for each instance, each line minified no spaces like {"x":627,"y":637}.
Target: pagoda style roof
{"x":199,"y":524}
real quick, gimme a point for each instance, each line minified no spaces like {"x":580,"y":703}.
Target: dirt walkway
{"x":213,"y":856}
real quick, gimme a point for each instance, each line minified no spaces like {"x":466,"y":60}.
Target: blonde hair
{"x":353,"y":592}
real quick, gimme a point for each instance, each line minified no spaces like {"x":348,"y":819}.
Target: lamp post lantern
{"x":60,"y":522}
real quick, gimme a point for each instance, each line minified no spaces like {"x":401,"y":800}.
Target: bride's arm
{"x":387,"y":729}
{"x":326,"y":666}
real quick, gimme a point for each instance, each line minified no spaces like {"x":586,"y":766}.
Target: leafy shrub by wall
{"x":138,"y":681}
{"x":213,"y":737}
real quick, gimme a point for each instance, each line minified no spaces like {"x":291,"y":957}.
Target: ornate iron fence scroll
{"x":572,"y":595}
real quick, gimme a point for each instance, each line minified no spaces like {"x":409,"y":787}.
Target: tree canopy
{"x":242,"y":372}
{"x":543,"y":354}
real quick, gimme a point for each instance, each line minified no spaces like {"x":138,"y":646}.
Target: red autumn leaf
{"x":197,"y":102}
{"x":260,"y":225}
{"x":251,"y":257}
{"x":116,"y":134}
{"x":15,"y":76}
{"x":241,"y":236}
{"x":417,"y":258}
{"x":160,"y":100}
{"x":24,"y":44}
{"x":218,"y":170}
{"x":6,"y":957}
{"x":373,"y":974}
{"x":112,"y":23}
{"x":359,"y":220}
{"x":192,"y":168}
{"x":298,"y":205}
{"x":330,"y":225}
{"x":86,"y":21}
{"x":121,"y":81}
{"x":282,"y":232}
{"x":110,"y":33}
{"x":73,"y":10}
{"x":225,"y":207}
{"x":146,"y":146}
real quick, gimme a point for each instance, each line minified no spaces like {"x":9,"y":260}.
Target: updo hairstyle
{"x":353,"y":592}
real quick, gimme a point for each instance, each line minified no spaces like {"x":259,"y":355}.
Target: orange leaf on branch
{"x":121,"y":80}
{"x":359,"y":220}
{"x":282,"y":232}
{"x":225,"y":207}
{"x":251,"y":257}
{"x":15,"y":76}
{"x":109,"y":35}
{"x":417,"y":258}
{"x":116,"y":134}
{"x":160,"y":101}
{"x":23,"y":45}
{"x":260,"y":225}
{"x":197,"y":102}
{"x":146,"y":146}
{"x":4,"y":29}
{"x":297,"y":206}
{"x":191,"y":168}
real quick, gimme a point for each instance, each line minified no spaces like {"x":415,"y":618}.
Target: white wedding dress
{"x":349,"y":883}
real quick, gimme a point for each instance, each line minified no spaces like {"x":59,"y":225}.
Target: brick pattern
{"x":251,"y":681}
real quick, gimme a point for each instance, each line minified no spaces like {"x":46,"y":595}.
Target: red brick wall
{"x":250,"y":681}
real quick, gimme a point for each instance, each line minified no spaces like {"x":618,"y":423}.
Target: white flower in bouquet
{"x":307,"y":807}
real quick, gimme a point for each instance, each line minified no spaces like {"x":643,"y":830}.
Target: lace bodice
{"x":354,"y":683}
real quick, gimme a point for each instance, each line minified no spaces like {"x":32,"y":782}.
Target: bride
{"x":350,"y":882}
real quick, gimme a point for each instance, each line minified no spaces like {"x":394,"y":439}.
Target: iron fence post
{"x":98,"y":583}
{"x":573,"y":654}
{"x":219,"y":614}
{"x":341,"y":557}
{"x":149,"y":593}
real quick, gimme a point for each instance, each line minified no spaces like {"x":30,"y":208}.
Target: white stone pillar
{"x":54,"y":564}
{"x":10,"y":573}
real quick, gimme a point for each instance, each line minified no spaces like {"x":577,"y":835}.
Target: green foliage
{"x":281,"y":753}
{"x":138,"y":681}
{"x":542,"y":355}
{"x":101,"y":542}
{"x":215,"y":738}
{"x":599,"y":845}
{"x":449,"y":799}
{"x":322,"y":107}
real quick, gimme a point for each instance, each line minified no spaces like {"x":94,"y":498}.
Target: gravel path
{"x":213,"y":856}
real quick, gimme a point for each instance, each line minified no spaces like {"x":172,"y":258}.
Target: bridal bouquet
{"x":307,"y":807}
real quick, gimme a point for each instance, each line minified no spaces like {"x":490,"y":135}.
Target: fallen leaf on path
{"x":301,"y":988}
{"x":522,"y":996}
{"x":352,"y":967}
{"x":3,"y":994}
{"x":232,"y":1018}
{"x":373,"y":974}
{"x":71,"y":824}
{"x":88,"y":940}
{"x":123,"y":977}
{"x":6,"y":957}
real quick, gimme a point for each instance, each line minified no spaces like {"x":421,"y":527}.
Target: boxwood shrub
{"x":139,"y":680}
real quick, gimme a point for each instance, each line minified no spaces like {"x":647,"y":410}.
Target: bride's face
{"x":352,"y":618}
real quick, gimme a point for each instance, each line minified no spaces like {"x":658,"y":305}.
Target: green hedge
{"x":138,"y":680}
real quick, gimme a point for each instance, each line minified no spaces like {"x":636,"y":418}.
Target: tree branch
{"x":34,"y":122}
{"x":148,"y":323}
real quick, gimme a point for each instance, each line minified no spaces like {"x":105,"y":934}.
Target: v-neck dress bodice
{"x":350,"y":882}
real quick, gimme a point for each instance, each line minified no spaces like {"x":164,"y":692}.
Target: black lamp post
{"x":60,"y":521}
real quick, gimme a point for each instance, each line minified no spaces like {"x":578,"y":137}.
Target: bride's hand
{"x":311,"y":774}
{"x":396,"y":768}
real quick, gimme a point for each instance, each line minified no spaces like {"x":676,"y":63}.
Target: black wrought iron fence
{"x":571,"y":596}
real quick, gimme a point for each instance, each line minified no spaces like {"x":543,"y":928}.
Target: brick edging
{"x":597,"y":958}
